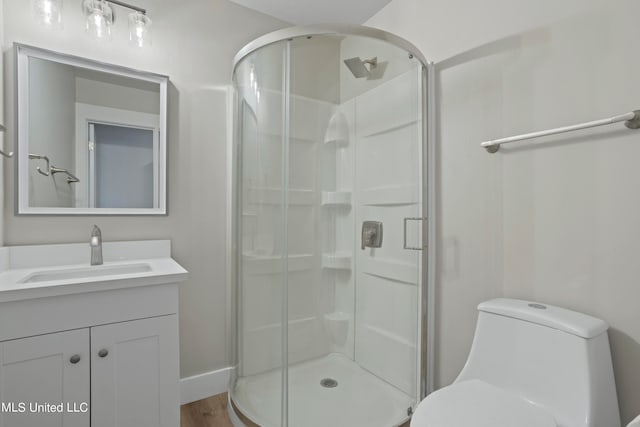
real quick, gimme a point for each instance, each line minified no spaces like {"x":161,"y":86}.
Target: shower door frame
{"x":426,"y":327}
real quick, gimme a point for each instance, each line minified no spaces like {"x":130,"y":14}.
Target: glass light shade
{"x":48,"y":13}
{"x":139,"y":29}
{"x":99,"y":19}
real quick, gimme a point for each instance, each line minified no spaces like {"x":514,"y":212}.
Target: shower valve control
{"x":371,"y":234}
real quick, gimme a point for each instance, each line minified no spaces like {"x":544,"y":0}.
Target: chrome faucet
{"x":96,"y":246}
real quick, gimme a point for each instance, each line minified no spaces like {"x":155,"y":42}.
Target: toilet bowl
{"x":478,"y":404}
{"x":530,"y":365}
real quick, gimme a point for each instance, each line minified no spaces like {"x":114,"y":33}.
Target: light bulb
{"x":48,"y":13}
{"x":99,"y":19}
{"x":139,"y":29}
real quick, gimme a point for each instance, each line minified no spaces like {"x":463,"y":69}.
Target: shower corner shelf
{"x":259,"y":263}
{"x":336,"y":198}
{"x":337,"y":316}
{"x":337,"y":130}
{"x":336,"y":261}
{"x":339,"y":142}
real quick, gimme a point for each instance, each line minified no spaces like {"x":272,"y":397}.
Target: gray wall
{"x":194,"y":43}
{"x":553,"y":220}
{"x":118,"y":94}
{"x":52,"y":110}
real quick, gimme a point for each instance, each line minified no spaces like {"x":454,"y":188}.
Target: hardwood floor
{"x":210,"y":412}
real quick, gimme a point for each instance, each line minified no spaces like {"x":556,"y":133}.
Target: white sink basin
{"x":85,"y":272}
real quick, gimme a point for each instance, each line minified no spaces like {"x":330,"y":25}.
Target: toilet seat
{"x":474,"y":403}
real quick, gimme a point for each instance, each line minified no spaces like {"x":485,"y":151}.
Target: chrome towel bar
{"x":632,"y":121}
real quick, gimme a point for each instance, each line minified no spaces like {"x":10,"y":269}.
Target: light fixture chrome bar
{"x":128,"y":6}
{"x":632,"y":121}
{"x":9,"y":154}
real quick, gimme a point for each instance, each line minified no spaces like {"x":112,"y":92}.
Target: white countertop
{"x":20,"y":262}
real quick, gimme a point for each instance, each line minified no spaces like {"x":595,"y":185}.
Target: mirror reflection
{"x":91,"y":136}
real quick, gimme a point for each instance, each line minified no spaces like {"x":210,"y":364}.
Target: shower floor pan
{"x":359,"y":399}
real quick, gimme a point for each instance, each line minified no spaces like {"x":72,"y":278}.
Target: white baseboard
{"x":204,"y":385}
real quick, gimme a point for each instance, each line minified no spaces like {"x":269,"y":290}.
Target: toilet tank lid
{"x":550,"y":316}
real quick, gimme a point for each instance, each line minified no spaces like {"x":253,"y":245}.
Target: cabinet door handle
{"x":74,"y":359}
{"x":103,"y":353}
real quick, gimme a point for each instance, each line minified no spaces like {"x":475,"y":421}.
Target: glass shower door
{"x":257,"y":391}
{"x":388,"y":190}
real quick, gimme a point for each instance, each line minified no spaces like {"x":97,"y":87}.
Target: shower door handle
{"x":414,"y":248}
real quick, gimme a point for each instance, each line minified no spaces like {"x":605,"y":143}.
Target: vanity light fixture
{"x":48,"y":13}
{"x":100,"y":19}
{"x":139,"y":29}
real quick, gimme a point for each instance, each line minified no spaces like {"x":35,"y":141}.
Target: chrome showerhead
{"x":358,"y":68}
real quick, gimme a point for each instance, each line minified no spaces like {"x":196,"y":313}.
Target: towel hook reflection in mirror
{"x":10,"y":154}
{"x":46,"y":159}
{"x":71,"y":178}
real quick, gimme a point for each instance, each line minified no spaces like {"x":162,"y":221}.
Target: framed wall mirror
{"x":91,"y":136}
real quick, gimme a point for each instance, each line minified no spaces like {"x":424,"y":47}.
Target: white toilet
{"x":530,"y":365}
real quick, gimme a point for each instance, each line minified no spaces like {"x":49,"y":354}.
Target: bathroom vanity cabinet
{"x":103,"y":353}
{"x":112,"y":373}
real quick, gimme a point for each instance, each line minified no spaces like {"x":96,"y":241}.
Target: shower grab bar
{"x":631,"y":119}
{"x":70,"y":177}
{"x":46,"y":159}
{"x":10,"y":153}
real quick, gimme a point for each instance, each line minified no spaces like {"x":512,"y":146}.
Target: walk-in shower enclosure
{"x":331,"y":229}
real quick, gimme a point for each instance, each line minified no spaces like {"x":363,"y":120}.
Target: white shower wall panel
{"x":261,"y":321}
{"x":386,"y":344}
{"x":389,"y":106}
{"x":342,"y":281}
{"x":309,"y":118}
{"x":388,"y":144}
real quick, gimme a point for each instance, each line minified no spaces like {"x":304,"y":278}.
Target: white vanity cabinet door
{"x":134,"y":374}
{"x":46,"y":369}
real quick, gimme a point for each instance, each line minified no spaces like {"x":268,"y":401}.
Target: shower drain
{"x":328,"y":383}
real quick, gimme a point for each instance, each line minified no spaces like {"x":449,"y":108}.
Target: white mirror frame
{"x":22,"y":55}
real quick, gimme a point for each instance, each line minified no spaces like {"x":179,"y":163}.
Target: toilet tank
{"x":556,"y":358}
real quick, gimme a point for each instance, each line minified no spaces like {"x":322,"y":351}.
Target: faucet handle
{"x":371,"y":234}
{"x":96,"y":236}
{"x":96,"y":245}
